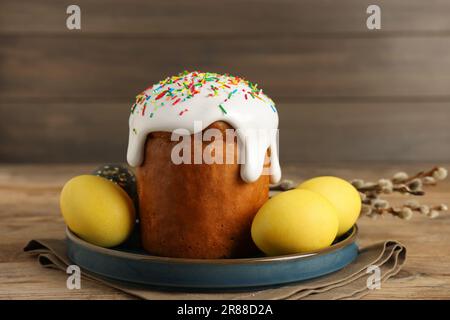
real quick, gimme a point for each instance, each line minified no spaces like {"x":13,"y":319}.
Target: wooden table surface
{"x":29,"y":210}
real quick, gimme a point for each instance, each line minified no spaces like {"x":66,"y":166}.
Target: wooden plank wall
{"x":344,"y":93}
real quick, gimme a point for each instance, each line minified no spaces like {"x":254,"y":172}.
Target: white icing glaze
{"x":179,"y":101}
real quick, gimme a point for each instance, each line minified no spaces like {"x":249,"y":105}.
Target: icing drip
{"x":181,"y":101}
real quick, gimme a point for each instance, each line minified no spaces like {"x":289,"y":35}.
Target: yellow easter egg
{"x":294,"y":221}
{"x":97,"y":210}
{"x":344,"y":197}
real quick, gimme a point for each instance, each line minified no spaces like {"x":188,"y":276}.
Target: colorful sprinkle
{"x":162,"y":94}
{"x":186,"y":85}
{"x":222,"y":108}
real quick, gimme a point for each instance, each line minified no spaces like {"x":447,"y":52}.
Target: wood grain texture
{"x":29,"y":209}
{"x":63,"y":132}
{"x":91,"y":68}
{"x":92,"y":132}
{"x":241,"y":17}
{"x":339,"y":86}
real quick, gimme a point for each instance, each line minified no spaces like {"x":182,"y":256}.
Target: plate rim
{"x":138,"y":256}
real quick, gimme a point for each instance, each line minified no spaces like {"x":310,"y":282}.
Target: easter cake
{"x":199,"y":187}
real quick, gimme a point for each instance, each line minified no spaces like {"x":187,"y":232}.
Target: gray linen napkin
{"x":347,"y":283}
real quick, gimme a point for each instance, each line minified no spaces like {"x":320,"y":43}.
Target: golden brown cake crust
{"x":196,"y":210}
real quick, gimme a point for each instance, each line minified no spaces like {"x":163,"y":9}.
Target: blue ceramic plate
{"x":138,"y":267}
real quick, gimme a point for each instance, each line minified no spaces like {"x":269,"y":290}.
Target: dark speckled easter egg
{"x":120,"y":175}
